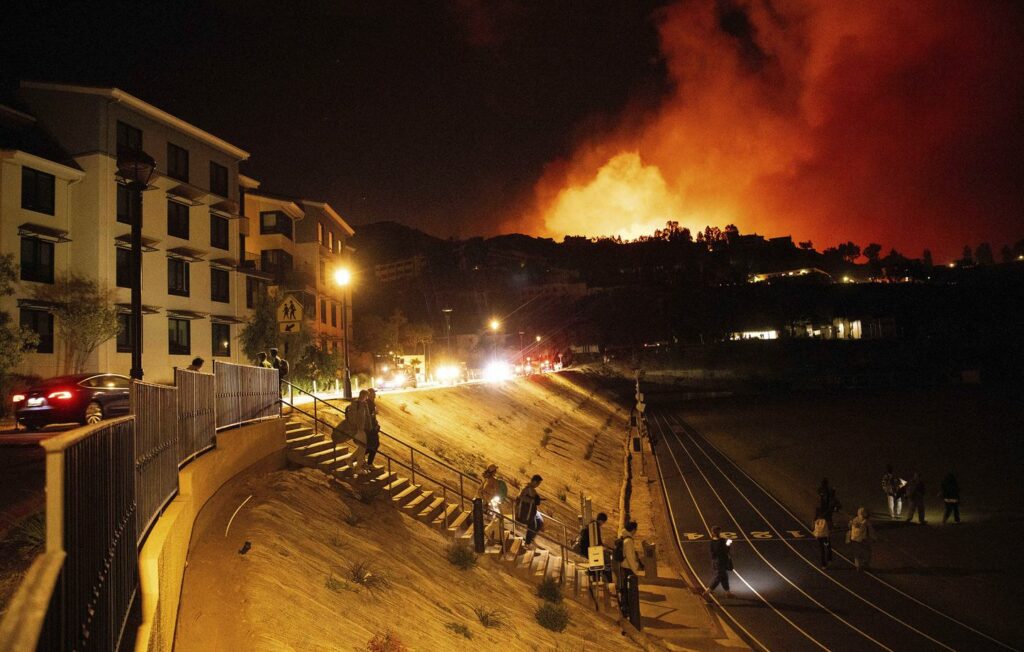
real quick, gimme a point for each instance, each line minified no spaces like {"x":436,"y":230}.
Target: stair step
{"x":554,"y":569}
{"x":459,"y":521}
{"x":298,"y":431}
{"x":444,"y":518}
{"x":406,"y":494}
{"x":525,"y":560}
{"x":324,"y":453}
{"x":417,"y":503}
{"x":342,"y":471}
{"x":314,"y":446}
{"x":540,"y":563}
{"x":301,"y":440}
{"x":396,"y":484}
{"x":328,"y":463}
{"x":430,"y":511}
{"x":512,"y":550}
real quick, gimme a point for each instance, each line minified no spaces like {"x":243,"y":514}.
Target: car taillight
{"x":60,"y":394}
{"x":18,"y":398}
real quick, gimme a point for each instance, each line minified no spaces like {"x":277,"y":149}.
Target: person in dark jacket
{"x":951,"y":497}
{"x":828,"y":503}
{"x":721,"y":562}
{"x":372,"y":429}
{"x":526,"y":508}
{"x":915,"y":498}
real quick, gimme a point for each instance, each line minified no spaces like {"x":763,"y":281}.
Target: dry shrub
{"x":459,"y":628}
{"x":491,"y":618}
{"x":386,"y":642}
{"x":552,"y":616}
{"x":549,"y":590}
{"x":362,"y":574}
{"x":461,"y":556}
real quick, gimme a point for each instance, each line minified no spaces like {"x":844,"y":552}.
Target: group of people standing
{"x":899,"y":491}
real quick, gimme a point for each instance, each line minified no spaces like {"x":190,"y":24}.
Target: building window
{"x":125,"y":210}
{"x":218,"y":179}
{"x":177,"y":277}
{"x":254,"y":287}
{"x":219,"y":232}
{"x":177,"y":219}
{"x":36,"y":260}
{"x":323,"y":273}
{"x":276,"y":261}
{"x":320,"y":233}
{"x":275,"y":222}
{"x":128,"y":137}
{"x":179,"y":336}
{"x":221,"y":339}
{"x":330,"y":240}
{"x":334,"y":314}
{"x":123,"y":276}
{"x":219,"y":284}
{"x":40,"y":322}
{"x":125,"y":326}
{"x":323,"y":311}
{"x":177,"y":162}
{"x":37,"y":191}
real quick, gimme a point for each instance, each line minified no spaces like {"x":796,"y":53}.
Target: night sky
{"x":898,"y":123}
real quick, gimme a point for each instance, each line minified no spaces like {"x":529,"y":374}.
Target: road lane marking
{"x":765,"y":559}
{"x":797,"y":534}
{"x":698,"y":576}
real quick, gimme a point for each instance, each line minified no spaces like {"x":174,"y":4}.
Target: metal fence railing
{"x":91,"y":512}
{"x":245,"y":393}
{"x":156,"y":449}
{"x":197,"y":420}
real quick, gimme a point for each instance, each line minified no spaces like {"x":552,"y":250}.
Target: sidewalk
{"x":671,"y":612}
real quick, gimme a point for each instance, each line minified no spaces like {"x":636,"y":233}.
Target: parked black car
{"x":81,"y":398}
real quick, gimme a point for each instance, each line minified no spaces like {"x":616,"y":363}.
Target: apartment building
{"x":295,"y":246}
{"x":64,"y":209}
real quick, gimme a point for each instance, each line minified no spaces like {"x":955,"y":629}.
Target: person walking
{"x":721,"y":562}
{"x":822,"y":532}
{"x":891,"y":486}
{"x":488,"y":493}
{"x":261,"y":361}
{"x":372,"y":429}
{"x":860,"y":535}
{"x":279,"y":363}
{"x":828,"y":503}
{"x":915,"y":499}
{"x":197,"y":364}
{"x":527,"y":505}
{"x":629,"y":564}
{"x":353,"y":428}
{"x":951,"y":498}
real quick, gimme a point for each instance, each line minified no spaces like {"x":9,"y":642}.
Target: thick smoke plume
{"x":893,"y":122}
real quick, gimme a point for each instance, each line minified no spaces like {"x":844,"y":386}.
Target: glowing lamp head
{"x":495,"y":324}
{"x":342,"y":277}
{"x":18,"y":398}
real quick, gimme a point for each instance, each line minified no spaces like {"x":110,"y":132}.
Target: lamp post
{"x":521,"y":333}
{"x":495,"y":325}
{"x":135,"y":168}
{"x":448,"y":330}
{"x":343,"y":278}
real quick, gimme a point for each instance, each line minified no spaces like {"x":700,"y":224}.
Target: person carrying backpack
{"x":585,"y":541}
{"x":891,"y":486}
{"x":372,"y":429}
{"x":628,"y":563}
{"x":860,"y":535}
{"x":526,"y":508}
{"x":721,"y":562}
{"x":822,"y":533}
{"x":353,"y":427}
{"x":828,"y":503}
{"x":951,"y":498}
{"x":915,"y":499}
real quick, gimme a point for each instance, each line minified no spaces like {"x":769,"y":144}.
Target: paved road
{"x":784,"y":599}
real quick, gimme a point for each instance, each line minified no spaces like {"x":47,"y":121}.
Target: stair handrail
{"x":460,"y":492}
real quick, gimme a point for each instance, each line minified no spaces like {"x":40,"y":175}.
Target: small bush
{"x":459,"y":628}
{"x":30,"y":532}
{"x":522,"y":470}
{"x":337,"y":585}
{"x":590,"y":451}
{"x":386,"y":642}
{"x":362,"y":574}
{"x":545,"y":440}
{"x":352,"y":519}
{"x":562,"y":495}
{"x":549,"y":590}
{"x":548,"y":431}
{"x":491,"y":618}
{"x":336,"y":542}
{"x":461,"y":556}
{"x":552,"y":616}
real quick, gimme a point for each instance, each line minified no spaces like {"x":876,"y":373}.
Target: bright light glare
{"x":538,"y":338}
{"x":497,"y":371}
{"x":342,"y":276}
{"x":397,"y":380}
{"x":447,"y":372}
{"x":18,"y":398}
{"x":495,"y":324}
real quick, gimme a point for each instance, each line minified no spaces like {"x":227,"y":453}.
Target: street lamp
{"x":136,"y":168}
{"x":343,"y":278}
{"x":448,"y":330}
{"x":495,"y":325}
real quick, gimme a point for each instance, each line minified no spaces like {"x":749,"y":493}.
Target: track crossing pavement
{"x":784,"y":599}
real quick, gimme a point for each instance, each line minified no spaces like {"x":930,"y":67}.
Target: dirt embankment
{"x":302,"y":582}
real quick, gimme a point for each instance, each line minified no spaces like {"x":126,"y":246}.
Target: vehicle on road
{"x":80,"y":398}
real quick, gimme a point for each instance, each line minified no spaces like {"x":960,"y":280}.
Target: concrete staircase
{"x":307,"y":448}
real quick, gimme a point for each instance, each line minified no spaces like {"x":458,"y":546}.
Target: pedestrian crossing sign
{"x":289,"y":314}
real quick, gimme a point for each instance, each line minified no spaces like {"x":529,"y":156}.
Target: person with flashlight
{"x":721,"y":562}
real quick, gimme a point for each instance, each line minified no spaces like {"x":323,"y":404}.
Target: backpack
{"x":282,"y":368}
{"x":582,"y":541}
{"x":619,"y":553}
